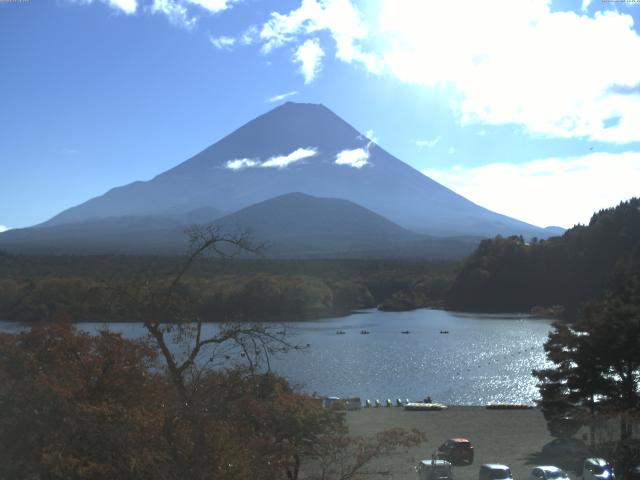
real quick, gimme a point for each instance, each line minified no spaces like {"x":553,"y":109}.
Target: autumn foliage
{"x":80,"y":406}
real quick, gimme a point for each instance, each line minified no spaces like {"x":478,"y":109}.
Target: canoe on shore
{"x":417,"y":406}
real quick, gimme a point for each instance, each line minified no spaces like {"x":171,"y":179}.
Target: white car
{"x":495,"y":471}
{"x":548,"y":472}
{"x":434,"y":470}
{"x":597,"y":469}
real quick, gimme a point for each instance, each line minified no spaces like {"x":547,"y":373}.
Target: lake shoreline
{"x":288,"y":318}
{"x":308,"y":317}
{"x":456,"y":358}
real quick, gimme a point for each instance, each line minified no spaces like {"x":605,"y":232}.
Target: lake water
{"x":483,"y":358}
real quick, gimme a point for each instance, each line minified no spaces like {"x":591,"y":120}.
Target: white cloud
{"x":551,"y":72}
{"x":340,"y":18}
{"x":550,"y":191}
{"x":282,"y":96}
{"x":309,"y":56}
{"x":428,"y":143}
{"x":225,"y":42}
{"x":357,"y":158}
{"x":222,"y":42}
{"x":585,"y":5}
{"x":283,"y":161}
{"x":240,"y":163}
{"x":213,"y":6}
{"x":4,"y":228}
{"x":279,"y":161}
{"x":127,"y":6}
{"x":179,"y":13}
{"x":370,"y":134}
{"x":175,"y":11}
{"x":249,"y":36}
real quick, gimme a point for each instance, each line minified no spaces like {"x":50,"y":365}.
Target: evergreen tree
{"x":569,"y":390}
{"x":596,"y":361}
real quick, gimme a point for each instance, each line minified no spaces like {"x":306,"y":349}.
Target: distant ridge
{"x":293,"y":225}
{"x":299,"y":215}
{"x":553,"y":231}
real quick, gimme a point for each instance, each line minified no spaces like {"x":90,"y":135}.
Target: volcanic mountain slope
{"x":291,"y":225}
{"x":299,"y":225}
{"x":301,"y":148}
{"x":297,"y":215}
{"x":130,"y":233}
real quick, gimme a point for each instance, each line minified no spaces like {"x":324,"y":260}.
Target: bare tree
{"x":167,"y":307}
{"x":342,"y":457}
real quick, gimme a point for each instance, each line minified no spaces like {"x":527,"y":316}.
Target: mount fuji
{"x":294,"y":148}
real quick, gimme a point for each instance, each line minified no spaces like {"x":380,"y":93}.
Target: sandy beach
{"x":511,"y":437}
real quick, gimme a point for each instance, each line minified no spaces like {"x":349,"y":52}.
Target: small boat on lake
{"x":340,"y":332}
{"x":508,"y":406}
{"x":405,"y":332}
{"x":364,"y":332}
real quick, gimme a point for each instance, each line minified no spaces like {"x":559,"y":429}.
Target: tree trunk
{"x":624,"y":427}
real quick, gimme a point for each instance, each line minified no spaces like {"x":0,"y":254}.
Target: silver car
{"x":597,"y":469}
{"x":434,"y":470}
{"x":495,"y":471}
{"x":548,"y":472}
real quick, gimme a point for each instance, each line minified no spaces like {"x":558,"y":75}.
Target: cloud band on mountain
{"x":278,"y":161}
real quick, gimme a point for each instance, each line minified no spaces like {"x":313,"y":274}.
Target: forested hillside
{"x":36,"y":288}
{"x":511,"y":274}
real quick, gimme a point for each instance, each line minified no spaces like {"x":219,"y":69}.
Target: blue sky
{"x":529,"y":108}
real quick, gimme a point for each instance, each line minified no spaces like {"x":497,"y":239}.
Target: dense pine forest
{"x":513,"y":274}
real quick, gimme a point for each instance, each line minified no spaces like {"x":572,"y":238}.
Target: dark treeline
{"x":511,"y":274}
{"x":49,"y":287}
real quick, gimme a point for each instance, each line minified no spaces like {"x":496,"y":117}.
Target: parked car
{"x":567,"y":447}
{"x":458,"y":451}
{"x":495,"y":471}
{"x":597,"y":469}
{"x":548,"y":472}
{"x":434,"y":470}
